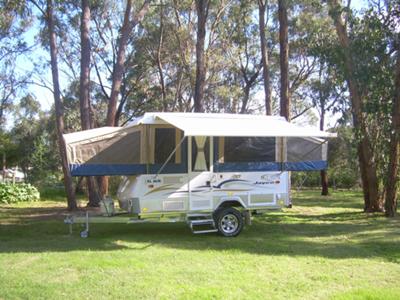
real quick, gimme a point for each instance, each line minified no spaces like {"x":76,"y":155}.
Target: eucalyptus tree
{"x":158,"y":81}
{"x":47,"y":14}
{"x":284,"y":59}
{"x":15,"y":20}
{"x":314,"y":82}
{"x":84,"y":90}
{"x":367,"y":60}
{"x":263,"y":8}
{"x":84,"y":85}
{"x":239,"y":60}
{"x":366,"y":161}
{"x":394,"y":148}
{"x":128,"y":25}
{"x":26,"y":128}
{"x":202,"y":8}
{"x":392,"y":185}
{"x":248,"y":54}
{"x":33,"y":139}
{"x":327,"y":93}
{"x":50,"y":22}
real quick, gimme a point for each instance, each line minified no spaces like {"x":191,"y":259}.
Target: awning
{"x":200,"y":124}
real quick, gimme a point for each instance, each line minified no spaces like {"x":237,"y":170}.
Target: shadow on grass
{"x":347,"y":200}
{"x":267,"y":236}
{"x":344,"y":232}
{"x":28,"y":214}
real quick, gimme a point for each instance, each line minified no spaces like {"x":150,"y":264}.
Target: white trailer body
{"x":256,"y":191}
{"x":193,"y":164}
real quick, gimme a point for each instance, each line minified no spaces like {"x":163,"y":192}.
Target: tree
{"x":8,"y":151}
{"x":284,"y":59}
{"x":49,"y":17}
{"x":202,"y":7}
{"x":84,"y":91}
{"x":244,"y":53}
{"x":14,"y":22}
{"x":84,"y":87}
{"x":367,"y":164}
{"x":262,"y":7}
{"x":118,"y":71}
{"x":393,"y":169}
{"x":327,"y":94}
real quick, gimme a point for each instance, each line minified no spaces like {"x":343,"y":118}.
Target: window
{"x":304,"y":149}
{"x":249,"y":149}
{"x":164,"y":145}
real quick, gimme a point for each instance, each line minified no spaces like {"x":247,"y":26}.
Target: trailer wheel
{"x":229,"y":221}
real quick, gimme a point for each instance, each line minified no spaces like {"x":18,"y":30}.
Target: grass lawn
{"x":322,"y":248}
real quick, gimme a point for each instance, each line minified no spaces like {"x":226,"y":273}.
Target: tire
{"x":229,"y":221}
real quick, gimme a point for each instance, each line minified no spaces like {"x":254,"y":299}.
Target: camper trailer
{"x":213,"y":171}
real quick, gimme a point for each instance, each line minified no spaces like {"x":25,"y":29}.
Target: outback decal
{"x":266,"y":182}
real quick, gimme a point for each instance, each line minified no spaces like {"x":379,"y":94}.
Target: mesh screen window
{"x":117,"y":150}
{"x":249,"y":149}
{"x":164,"y":145}
{"x":303,"y":149}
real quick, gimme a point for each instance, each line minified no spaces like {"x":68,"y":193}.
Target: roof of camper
{"x":217,"y":124}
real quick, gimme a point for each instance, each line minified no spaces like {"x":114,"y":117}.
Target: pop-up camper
{"x":205,"y":169}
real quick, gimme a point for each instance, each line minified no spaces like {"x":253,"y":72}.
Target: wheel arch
{"x":231,"y":202}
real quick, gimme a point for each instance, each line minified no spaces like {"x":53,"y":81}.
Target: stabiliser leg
{"x":85,"y":233}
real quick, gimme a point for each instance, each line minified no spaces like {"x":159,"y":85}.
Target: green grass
{"x":322,"y":248}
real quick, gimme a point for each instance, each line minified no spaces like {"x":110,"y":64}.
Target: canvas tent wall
{"x":241,"y":143}
{"x":139,"y":149}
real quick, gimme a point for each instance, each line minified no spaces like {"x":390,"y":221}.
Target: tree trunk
{"x":159,"y":63}
{"x":58,"y":107}
{"x":324,"y":173}
{"x":202,"y":12}
{"x":324,"y":183}
{"x":365,"y":154}
{"x":264,"y":56}
{"x":284,"y":59}
{"x":393,"y":169}
{"x":4,"y":165}
{"x":245,"y":99}
{"x":84,"y":89}
{"x":84,"y":92}
{"x":249,"y":84}
{"x":119,"y":69}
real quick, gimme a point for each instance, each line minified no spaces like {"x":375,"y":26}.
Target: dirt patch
{"x":39,"y":213}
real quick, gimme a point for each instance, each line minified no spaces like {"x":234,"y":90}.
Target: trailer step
{"x":199,"y":215}
{"x":204,"y":231}
{"x":202,"y":222}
